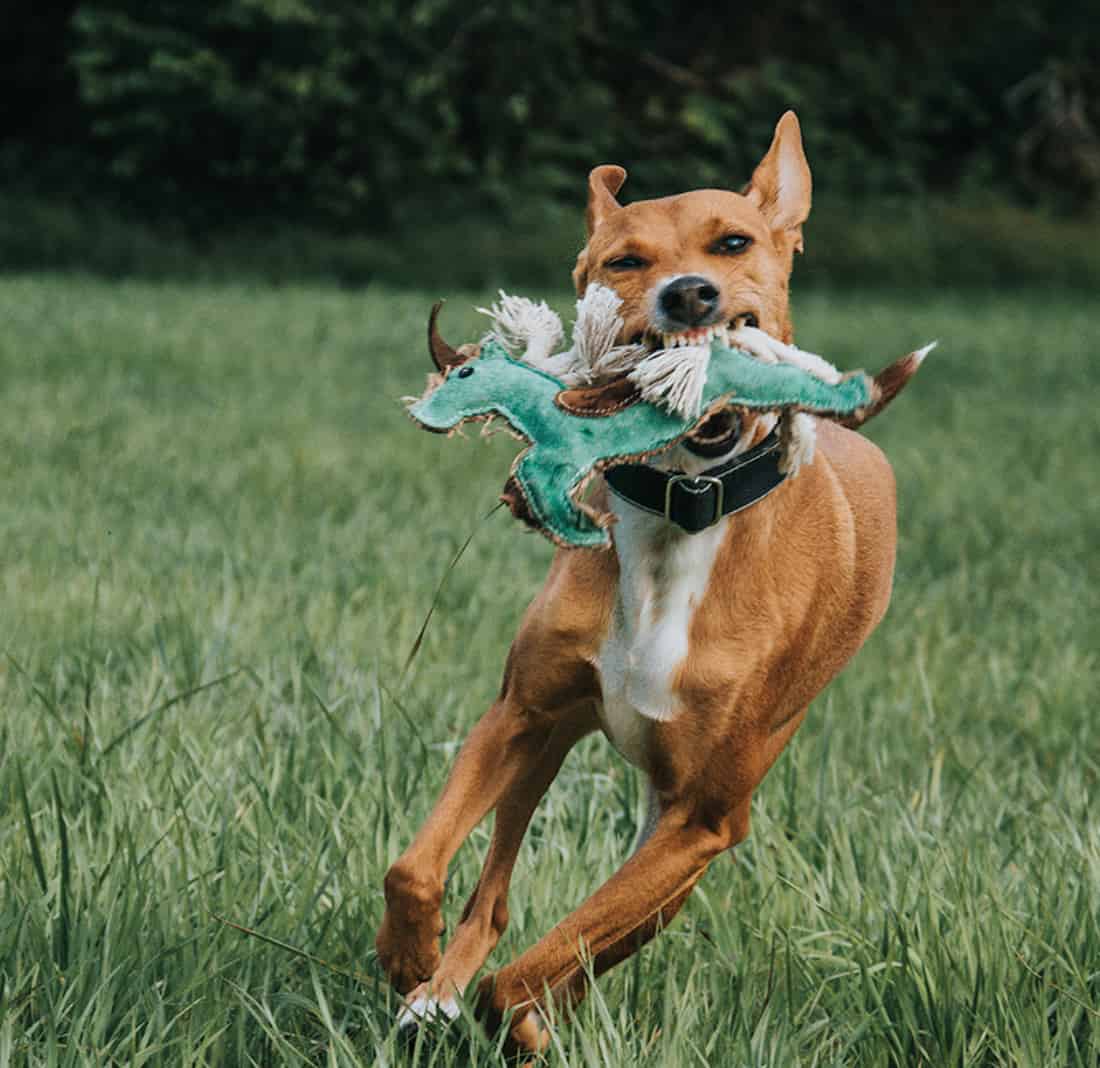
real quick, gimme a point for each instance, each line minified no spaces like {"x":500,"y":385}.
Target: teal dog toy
{"x":575,"y":433}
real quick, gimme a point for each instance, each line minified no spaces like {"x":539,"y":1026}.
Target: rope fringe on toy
{"x":674,"y":378}
{"x":527,"y":330}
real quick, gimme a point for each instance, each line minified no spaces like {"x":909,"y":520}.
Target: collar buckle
{"x":696,"y":485}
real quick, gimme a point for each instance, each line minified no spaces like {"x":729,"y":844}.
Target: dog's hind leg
{"x":486,"y":914}
{"x":612,"y":924}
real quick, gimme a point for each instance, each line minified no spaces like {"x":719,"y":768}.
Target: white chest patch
{"x":663,"y":573}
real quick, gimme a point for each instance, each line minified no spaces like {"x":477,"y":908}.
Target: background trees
{"x":349,"y":112}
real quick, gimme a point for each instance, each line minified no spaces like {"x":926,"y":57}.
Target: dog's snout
{"x":689,"y":300}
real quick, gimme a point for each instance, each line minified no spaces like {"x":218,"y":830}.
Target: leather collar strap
{"x":695,"y":502}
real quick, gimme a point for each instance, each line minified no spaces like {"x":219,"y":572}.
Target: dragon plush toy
{"x":597,"y":405}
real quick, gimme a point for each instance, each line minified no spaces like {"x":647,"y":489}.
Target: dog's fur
{"x":696,"y":655}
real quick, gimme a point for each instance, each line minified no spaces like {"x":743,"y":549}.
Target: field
{"x":220,"y":535}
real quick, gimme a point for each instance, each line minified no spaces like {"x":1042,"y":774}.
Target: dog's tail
{"x":889,"y":382}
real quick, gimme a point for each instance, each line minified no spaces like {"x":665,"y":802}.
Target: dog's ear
{"x":603,"y":183}
{"x":781,"y":186}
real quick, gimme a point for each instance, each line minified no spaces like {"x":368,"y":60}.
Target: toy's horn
{"x":443,"y":356}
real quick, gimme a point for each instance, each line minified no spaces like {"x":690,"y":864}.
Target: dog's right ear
{"x":603,"y":183}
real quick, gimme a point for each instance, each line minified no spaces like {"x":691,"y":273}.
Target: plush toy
{"x":597,"y":405}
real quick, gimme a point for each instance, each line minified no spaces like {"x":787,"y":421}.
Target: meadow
{"x":219,"y":535}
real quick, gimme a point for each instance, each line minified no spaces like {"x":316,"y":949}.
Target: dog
{"x":697,"y":654}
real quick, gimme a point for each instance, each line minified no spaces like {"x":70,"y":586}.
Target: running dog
{"x":696,"y":653}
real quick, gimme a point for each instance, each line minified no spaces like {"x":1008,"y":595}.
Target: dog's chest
{"x":663,"y":574}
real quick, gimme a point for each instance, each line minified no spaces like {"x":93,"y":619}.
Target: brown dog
{"x":697,"y":654}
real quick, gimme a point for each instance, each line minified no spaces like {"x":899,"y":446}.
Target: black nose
{"x":689,"y":300}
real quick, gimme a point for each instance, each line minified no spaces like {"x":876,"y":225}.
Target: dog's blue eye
{"x":465,"y":372}
{"x":626,"y":263}
{"x":732,"y":243}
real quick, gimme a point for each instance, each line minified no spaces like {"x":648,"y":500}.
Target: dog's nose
{"x":688,"y":300}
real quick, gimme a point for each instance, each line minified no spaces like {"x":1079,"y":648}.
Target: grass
{"x":220,"y":535}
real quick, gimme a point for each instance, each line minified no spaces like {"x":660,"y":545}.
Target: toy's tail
{"x":889,"y":382}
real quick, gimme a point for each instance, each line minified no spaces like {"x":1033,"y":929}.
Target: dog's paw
{"x":421,"y":1007}
{"x":408,"y":939}
{"x":409,"y":960}
{"x":528,"y":1029}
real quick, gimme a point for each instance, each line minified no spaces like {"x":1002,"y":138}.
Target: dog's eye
{"x":465,"y":372}
{"x":626,"y":263}
{"x":731,"y":244}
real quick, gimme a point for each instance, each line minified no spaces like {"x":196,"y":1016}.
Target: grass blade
{"x":64,"y":885}
{"x":32,"y":838}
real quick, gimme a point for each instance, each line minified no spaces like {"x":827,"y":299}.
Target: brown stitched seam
{"x":584,"y":413}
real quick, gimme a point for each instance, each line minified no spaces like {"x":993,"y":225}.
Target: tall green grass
{"x":219,"y":536}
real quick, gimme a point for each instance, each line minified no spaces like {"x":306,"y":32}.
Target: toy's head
{"x":476,"y":381}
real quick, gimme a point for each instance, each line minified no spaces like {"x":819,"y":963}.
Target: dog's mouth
{"x":657,"y":340}
{"x":718,"y":434}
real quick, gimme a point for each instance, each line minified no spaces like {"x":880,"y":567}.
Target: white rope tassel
{"x":596,"y":357}
{"x":598,"y":324}
{"x":674,"y":378}
{"x":797,"y":440}
{"x":532,"y":331}
{"x":768,"y":349}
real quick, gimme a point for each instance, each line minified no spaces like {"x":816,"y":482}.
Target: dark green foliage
{"x":357,"y":113}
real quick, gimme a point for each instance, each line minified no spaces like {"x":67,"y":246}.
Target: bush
{"x":354,"y":114}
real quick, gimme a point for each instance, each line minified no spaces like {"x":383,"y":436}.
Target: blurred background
{"x":413,"y":142}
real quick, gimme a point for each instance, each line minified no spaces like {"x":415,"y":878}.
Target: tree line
{"x":357,"y":113}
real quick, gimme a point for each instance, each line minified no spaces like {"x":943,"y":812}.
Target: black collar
{"x":695,"y":502}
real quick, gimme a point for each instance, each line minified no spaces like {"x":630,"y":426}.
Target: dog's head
{"x":688,"y":267}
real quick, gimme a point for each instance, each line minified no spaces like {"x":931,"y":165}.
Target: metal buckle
{"x":697,"y":479}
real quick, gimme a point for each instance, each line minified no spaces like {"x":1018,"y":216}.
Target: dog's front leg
{"x":486,"y":914}
{"x":501,"y":750}
{"x":613,"y":923}
{"x":547,"y":701}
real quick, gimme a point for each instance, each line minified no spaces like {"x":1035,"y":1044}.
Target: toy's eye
{"x":626,"y":263}
{"x":731,"y":244}
{"x":465,"y":372}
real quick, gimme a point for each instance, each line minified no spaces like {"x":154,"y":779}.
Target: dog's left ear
{"x":781,"y":186}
